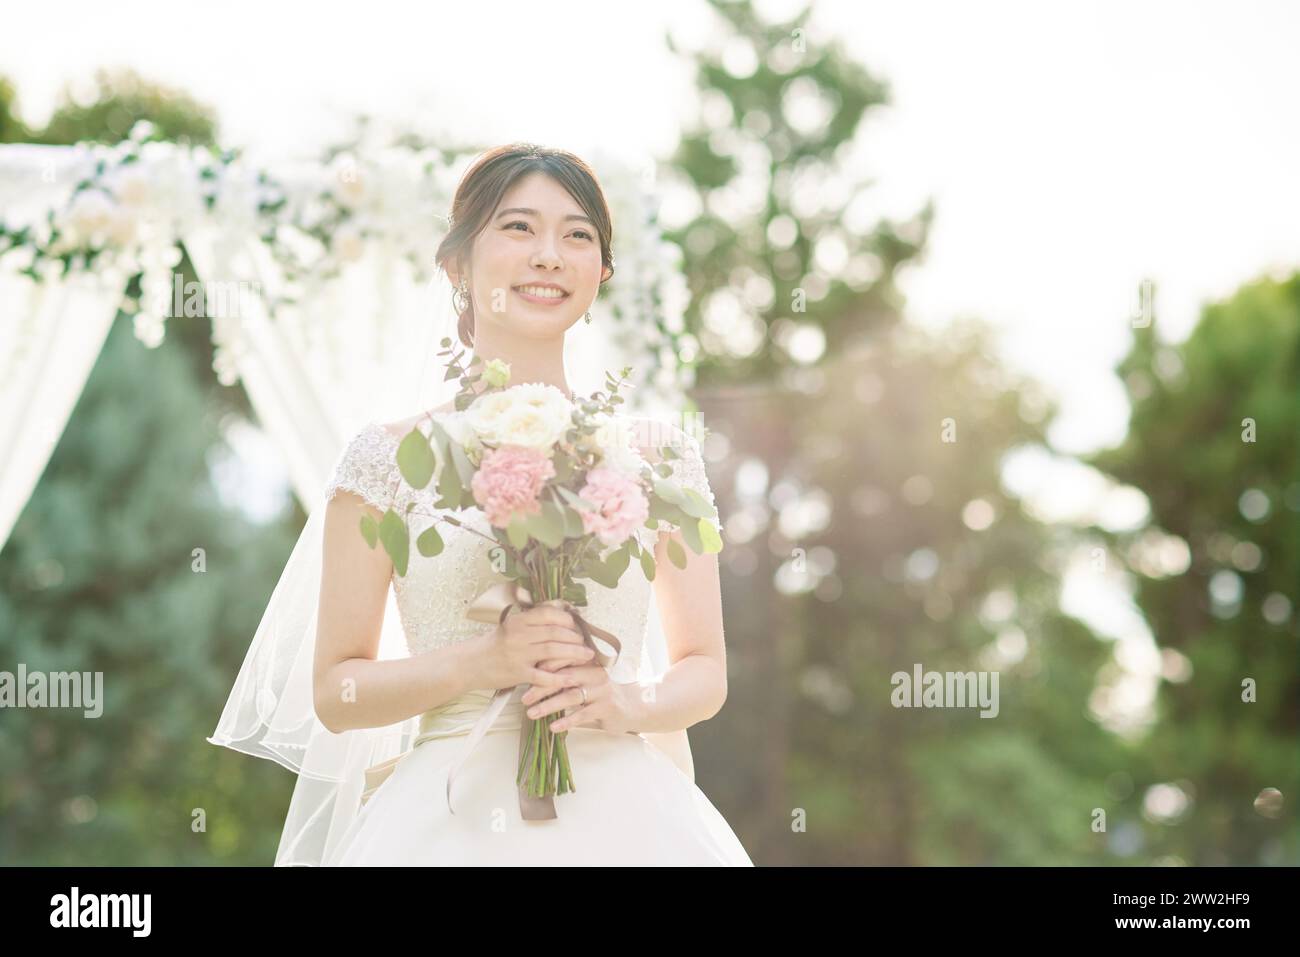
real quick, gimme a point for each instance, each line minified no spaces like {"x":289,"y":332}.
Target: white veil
{"x":271,"y":711}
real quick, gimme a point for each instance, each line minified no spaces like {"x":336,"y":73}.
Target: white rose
{"x":613,"y":438}
{"x":532,"y":415}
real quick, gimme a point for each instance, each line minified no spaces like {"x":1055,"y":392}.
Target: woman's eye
{"x":580,"y":232}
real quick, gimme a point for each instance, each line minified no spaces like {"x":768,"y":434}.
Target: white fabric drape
{"x":51,"y":332}
{"x":44,"y":364}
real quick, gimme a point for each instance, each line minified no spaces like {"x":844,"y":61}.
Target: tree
{"x":1212,"y":442}
{"x":101,"y":575}
{"x":98,"y":576}
{"x":867,"y":541}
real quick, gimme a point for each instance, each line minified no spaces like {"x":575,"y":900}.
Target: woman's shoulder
{"x":402,"y":427}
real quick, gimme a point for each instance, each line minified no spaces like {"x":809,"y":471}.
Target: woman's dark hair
{"x":488,"y":180}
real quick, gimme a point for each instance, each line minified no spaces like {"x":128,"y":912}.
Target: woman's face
{"x":535,"y":268}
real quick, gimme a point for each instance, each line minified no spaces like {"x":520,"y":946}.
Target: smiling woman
{"x":529,"y":249}
{"x":532,"y":222}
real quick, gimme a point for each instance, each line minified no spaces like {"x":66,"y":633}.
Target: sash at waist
{"x":458,"y":716}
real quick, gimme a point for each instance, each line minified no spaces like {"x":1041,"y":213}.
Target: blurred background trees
{"x":128,"y":494}
{"x":1214,"y":442}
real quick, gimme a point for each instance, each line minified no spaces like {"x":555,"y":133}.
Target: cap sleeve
{"x":368,"y":468}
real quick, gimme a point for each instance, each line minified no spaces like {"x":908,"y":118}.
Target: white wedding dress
{"x":633,"y":804}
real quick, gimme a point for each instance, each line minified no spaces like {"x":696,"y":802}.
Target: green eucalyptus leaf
{"x":369,"y":530}
{"x":548,"y":525}
{"x":709,"y":537}
{"x":518,"y":533}
{"x":696,"y":505}
{"x":618,"y":560}
{"x":574,"y":499}
{"x":690,"y":529}
{"x":463,"y":467}
{"x":430,"y":542}
{"x":415,"y":459}
{"x":396,"y":540}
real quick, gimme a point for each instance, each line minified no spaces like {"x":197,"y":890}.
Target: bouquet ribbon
{"x":492,"y":607}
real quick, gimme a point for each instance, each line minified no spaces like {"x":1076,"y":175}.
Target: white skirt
{"x":632,"y":806}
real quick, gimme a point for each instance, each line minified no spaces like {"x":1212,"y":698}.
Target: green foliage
{"x":121,"y":99}
{"x":100,"y":575}
{"x":1214,"y":419}
{"x":781,"y":133}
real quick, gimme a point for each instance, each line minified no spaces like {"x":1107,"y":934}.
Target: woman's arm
{"x":351,"y":688}
{"x":694,"y":688}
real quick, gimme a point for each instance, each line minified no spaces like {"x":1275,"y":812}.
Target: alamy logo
{"x":102,"y":910}
{"x":57,"y":689}
{"x":946,"y":689}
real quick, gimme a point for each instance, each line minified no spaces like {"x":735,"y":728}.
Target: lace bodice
{"x":435,"y":591}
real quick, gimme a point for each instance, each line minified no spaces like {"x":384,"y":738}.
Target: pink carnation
{"x":509,"y":481}
{"x":620,"y":505}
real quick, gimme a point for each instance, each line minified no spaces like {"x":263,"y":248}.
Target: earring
{"x":460,"y":297}
{"x":587,"y":317}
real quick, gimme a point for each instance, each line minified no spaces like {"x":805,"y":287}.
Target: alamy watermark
{"x":76,"y":909}
{"x":946,"y":689}
{"x":54,"y":689}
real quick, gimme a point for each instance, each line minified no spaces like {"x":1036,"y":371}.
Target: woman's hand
{"x":609,"y":706}
{"x":532,"y":646}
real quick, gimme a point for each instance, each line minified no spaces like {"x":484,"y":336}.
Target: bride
{"x":409,"y":757}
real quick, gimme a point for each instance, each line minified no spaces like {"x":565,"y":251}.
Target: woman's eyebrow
{"x":533,"y":212}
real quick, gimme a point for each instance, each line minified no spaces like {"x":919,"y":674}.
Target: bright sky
{"x":1071,"y":148}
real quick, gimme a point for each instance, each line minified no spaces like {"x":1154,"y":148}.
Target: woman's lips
{"x":541,"y":300}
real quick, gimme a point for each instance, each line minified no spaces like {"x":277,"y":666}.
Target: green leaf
{"x":463,"y":467}
{"x":697,"y":506}
{"x":575,"y":500}
{"x":676,"y":554}
{"x":430,"y":542}
{"x":670,"y":492}
{"x":709,"y":538}
{"x":396,"y":540}
{"x":573,"y":527}
{"x":662,"y":510}
{"x":453,"y":491}
{"x":415,"y":459}
{"x":518,"y":533}
{"x":599,"y":572}
{"x":369,"y":530}
{"x":647,"y":564}
{"x":548,"y":525}
{"x":617,"y":561}
{"x":691,"y":535}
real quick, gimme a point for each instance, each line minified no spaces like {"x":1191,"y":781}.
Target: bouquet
{"x":564,"y":493}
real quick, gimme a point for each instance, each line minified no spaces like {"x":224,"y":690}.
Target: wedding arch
{"x":311,"y":275}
